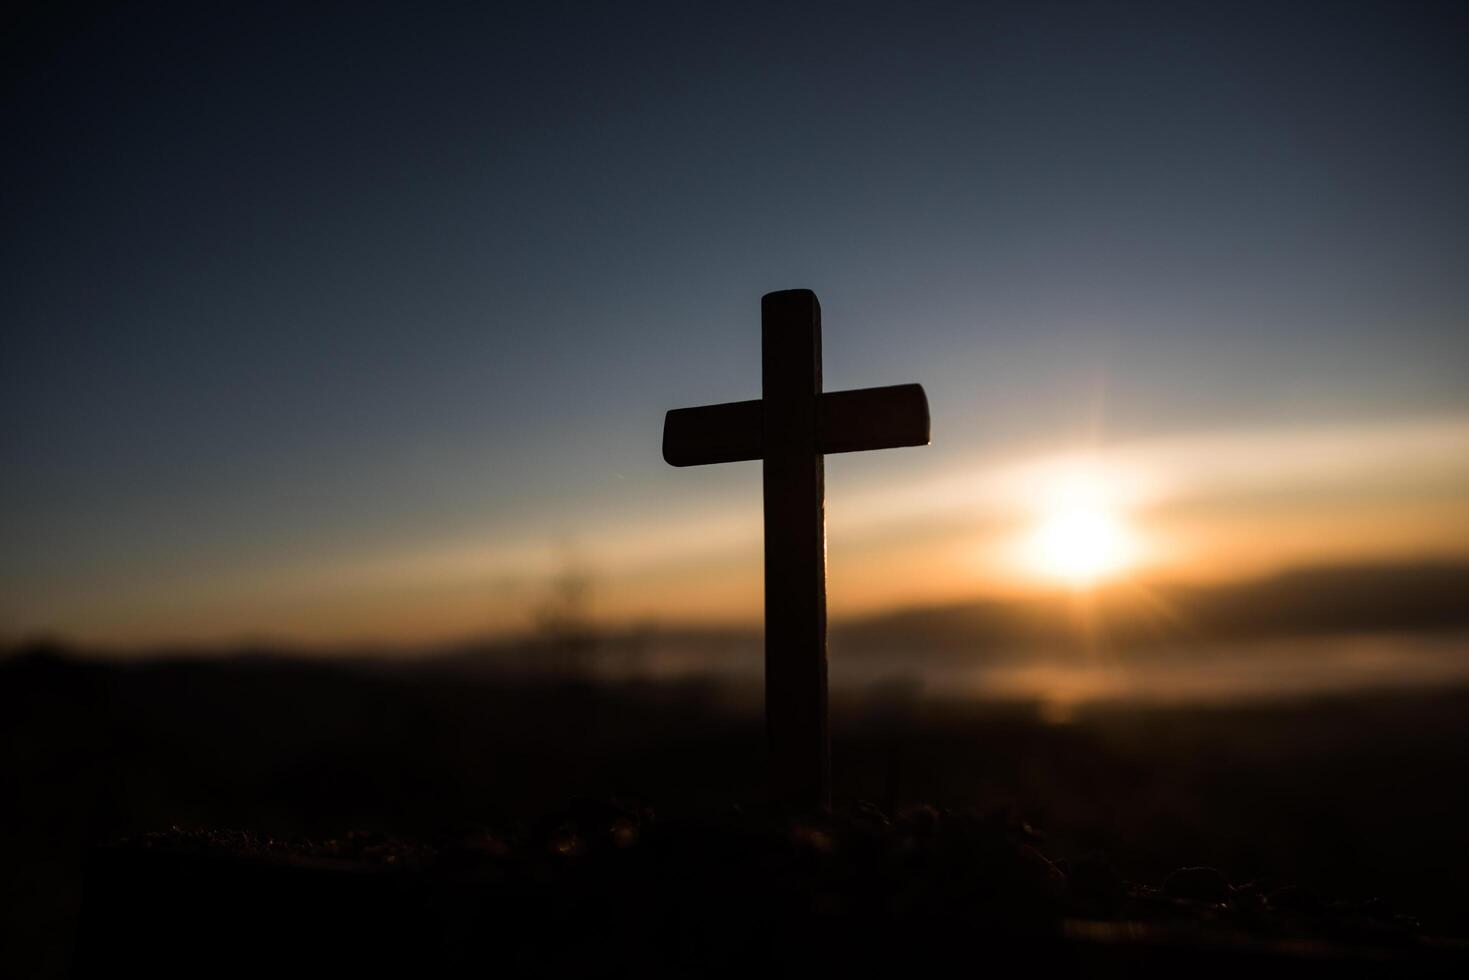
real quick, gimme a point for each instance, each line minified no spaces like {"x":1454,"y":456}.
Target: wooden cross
{"x":790,"y":428}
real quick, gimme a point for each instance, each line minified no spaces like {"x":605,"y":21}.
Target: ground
{"x":1341,"y":814}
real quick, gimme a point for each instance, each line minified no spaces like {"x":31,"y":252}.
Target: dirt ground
{"x":1362,"y":799}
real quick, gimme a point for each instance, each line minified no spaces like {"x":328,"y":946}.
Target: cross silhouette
{"x":790,"y":428}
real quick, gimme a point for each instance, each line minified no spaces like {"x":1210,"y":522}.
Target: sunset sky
{"x":360,"y":323}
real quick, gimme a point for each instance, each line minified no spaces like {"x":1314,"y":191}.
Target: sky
{"x":359,"y":322}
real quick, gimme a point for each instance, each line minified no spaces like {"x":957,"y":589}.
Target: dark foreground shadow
{"x":1358,"y":801}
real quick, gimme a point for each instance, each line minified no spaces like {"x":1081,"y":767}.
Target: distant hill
{"x":1321,"y":601}
{"x":1299,"y":602}
{"x":1304,"y":602}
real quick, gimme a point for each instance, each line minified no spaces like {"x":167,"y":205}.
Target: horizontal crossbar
{"x":849,"y":421}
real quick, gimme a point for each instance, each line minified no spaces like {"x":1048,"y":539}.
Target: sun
{"x":1080,"y":546}
{"x":1080,"y":536}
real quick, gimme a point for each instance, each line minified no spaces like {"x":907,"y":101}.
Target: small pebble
{"x":1197,"y":884}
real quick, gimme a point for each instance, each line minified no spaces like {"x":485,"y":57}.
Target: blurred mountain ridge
{"x":1318,"y":601}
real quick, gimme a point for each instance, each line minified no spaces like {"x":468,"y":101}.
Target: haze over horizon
{"x":361,"y":322}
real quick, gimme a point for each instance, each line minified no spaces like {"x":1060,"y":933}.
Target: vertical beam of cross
{"x":795,"y":550}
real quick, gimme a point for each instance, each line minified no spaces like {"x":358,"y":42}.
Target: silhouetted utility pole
{"x":790,"y":428}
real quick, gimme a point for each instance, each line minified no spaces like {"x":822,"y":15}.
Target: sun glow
{"x":1080,"y":535}
{"x":1080,"y":546}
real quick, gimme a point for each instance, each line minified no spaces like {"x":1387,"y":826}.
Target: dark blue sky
{"x":283,"y":287}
